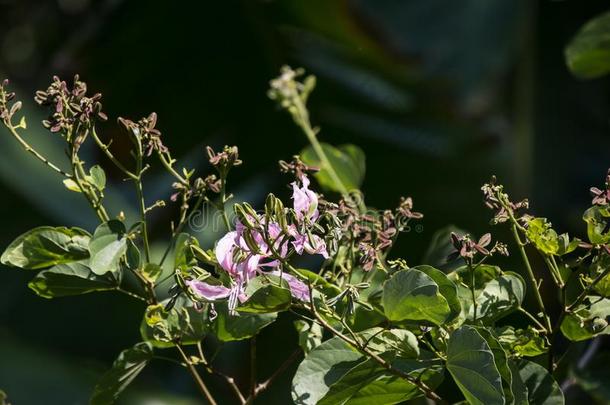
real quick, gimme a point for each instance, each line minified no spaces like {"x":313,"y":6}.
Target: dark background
{"x":440,"y":94}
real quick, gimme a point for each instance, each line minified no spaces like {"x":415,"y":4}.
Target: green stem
{"x":473,"y":291}
{"x":302,"y":120}
{"x":106,"y":149}
{"x":26,"y":146}
{"x":534,"y":284}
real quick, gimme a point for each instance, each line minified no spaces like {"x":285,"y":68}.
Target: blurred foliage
{"x":439,"y":95}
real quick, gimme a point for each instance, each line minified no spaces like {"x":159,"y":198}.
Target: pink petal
{"x":208,"y":291}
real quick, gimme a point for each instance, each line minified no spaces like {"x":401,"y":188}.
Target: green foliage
{"x":228,"y":327}
{"x":521,"y":342}
{"x":70,"y":279}
{"x":542,"y":389}
{"x":321,"y":368}
{"x":46,"y":246}
{"x":369,"y":383}
{"x":471,"y":362}
{"x":346,"y":160}
{"x":587,"y":320}
{"x":107,"y":247}
{"x":266,"y":295}
{"x":181,"y":323}
{"x":594,"y":378}
{"x":588,"y":53}
{"x":413,"y":295}
{"x":124,"y":369}
{"x":597,"y":219}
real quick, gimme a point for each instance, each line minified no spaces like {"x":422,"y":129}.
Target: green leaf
{"x":542,"y":389}
{"x":321,"y":368}
{"x":369,"y":383}
{"x":182,"y":322}
{"x":348,"y":161}
{"x":46,"y":246}
{"x":266,"y":296}
{"x":124,"y":370}
{"x":471,"y":363}
{"x":320,"y":283}
{"x":542,"y":235}
{"x":522,"y":342}
{"x":413,"y":295}
{"x":107,"y":246}
{"x":447,"y":288}
{"x":72,"y":185}
{"x":132,"y":256}
{"x":228,"y":327}
{"x":501,"y":362}
{"x":70,"y":279}
{"x":183,"y":255}
{"x":588,"y":53}
{"x":97,"y":177}
{"x":310,"y":334}
{"x":399,"y":341}
{"x":3,"y":398}
{"x":499,"y":297}
{"x":588,"y":320}
{"x":596,"y":218}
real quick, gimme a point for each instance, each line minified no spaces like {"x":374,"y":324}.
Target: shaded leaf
{"x":107,"y":246}
{"x":181,"y":323}
{"x":124,"y":370}
{"x":229,"y":327}
{"x":348,"y":161}
{"x":46,"y":246}
{"x":321,"y":368}
{"x":265,"y":296}
{"x":542,"y":389}
{"x":471,"y":363}
{"x":70,"y":279}
{"x":588,"y":53}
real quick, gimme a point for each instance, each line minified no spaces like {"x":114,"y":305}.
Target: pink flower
{"x":207,"y":291}
{"x":312,"y":245}
{"x":305,"y":201}
{"x":298,"y":289}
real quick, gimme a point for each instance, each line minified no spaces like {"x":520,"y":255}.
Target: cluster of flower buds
{"x":373,"y":233}
{"x":496,"y":199}
{"x":7,"y":110}
{"x":145,"y":133}
{"x":297,"y":167}
{"x":601,"y":197}
{"x":198,"y":187}
{"x":225,"y":160}
{"x":289,"y":92}
{"x":72,"y":110}
{"x":467,"y":248}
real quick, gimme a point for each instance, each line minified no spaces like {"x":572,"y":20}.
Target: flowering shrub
{"x":372,"y":327}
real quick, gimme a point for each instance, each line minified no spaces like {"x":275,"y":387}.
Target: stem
{"x":267,"y":383}
{"x":26,"y":146}
{"x":144,"y":226}
{"x":302,"y":120}
{"x":547,"y":322}
{"x":472,"y":292}
{"x":531,"y":317}
{"x":195,"y":374}
{"x":106,"y":149}
{"x":131,"y":294}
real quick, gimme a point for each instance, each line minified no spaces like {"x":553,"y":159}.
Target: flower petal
{"x":208,"y":291}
